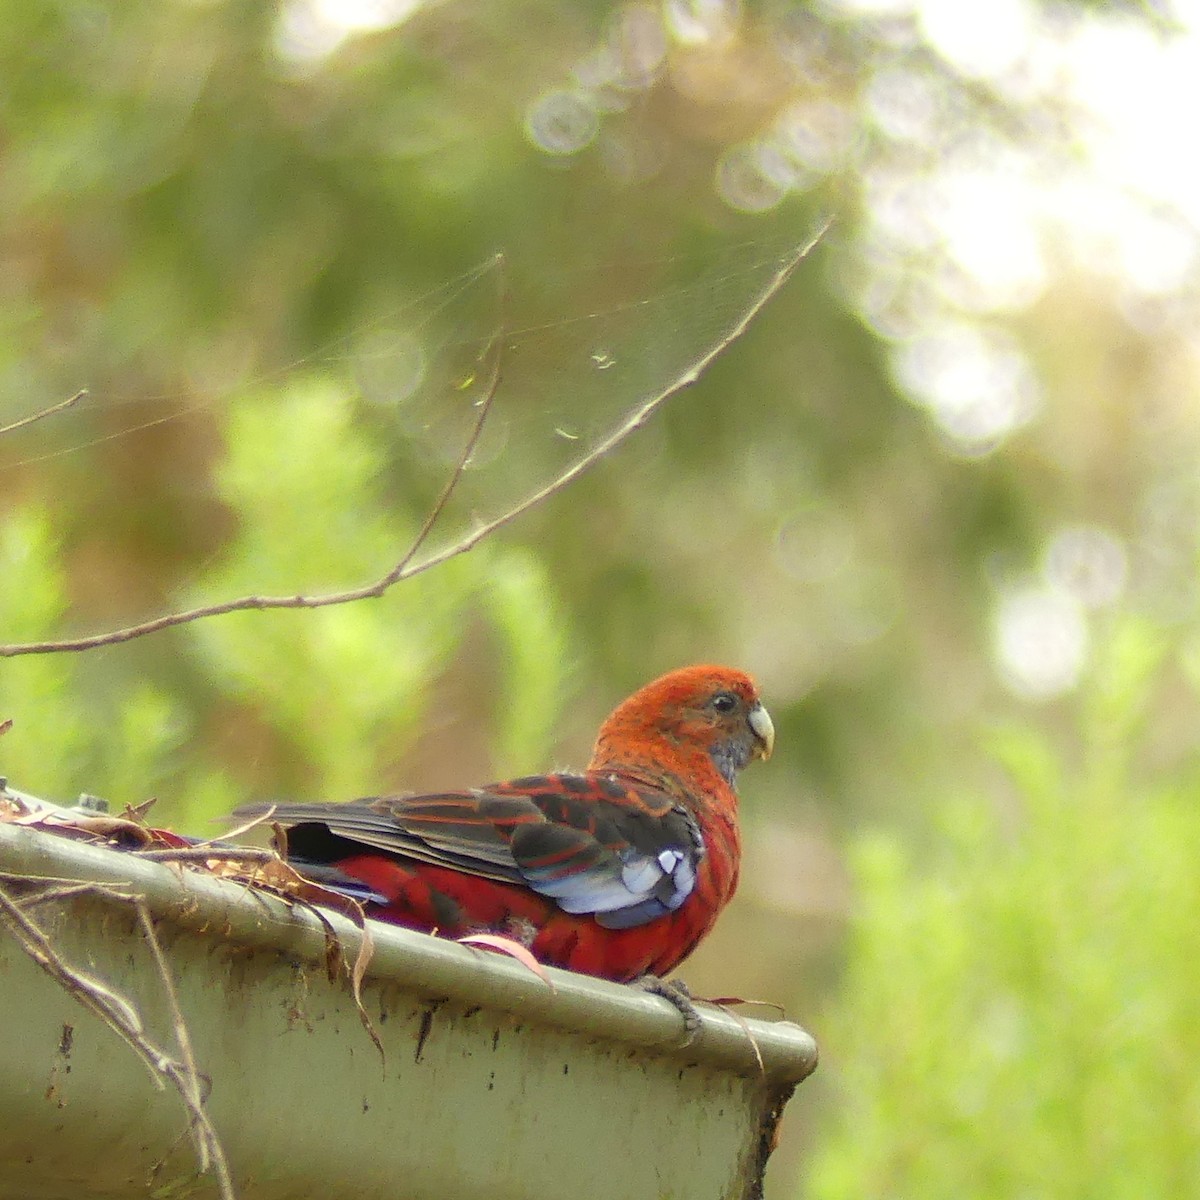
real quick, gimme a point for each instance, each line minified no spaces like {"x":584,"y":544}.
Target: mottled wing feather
{"x":589,"y":842}
{"x":447,"y":830}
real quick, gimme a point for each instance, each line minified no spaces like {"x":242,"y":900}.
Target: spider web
{"x":501,"y":395}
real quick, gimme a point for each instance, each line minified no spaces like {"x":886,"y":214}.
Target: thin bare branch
{"x":240,"y":831}
{"x":456,"y":473}
{"x":117,"y":1013}
{"x":44,"y":882}
{"x":407,"y":566}
{"x":745,"y":1027}
{"x":202,"y":854}
{"x":34,"y":418}
{"x":66,"y":891}
{"x":185,"y":1074}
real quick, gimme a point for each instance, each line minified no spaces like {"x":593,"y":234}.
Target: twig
{"x":113,"y":1010}
{"x":209,"y":853}
{"x":118,"y":1014}
{"x":44,"y":881}
{"x":254,"y":822}
{"x":184,"y":1074}
{"x":745,"y":1027}
{"x":33,"y":419}
{"x":456,"y":473}
{"x":406,"y":567}
{"x":65,"y":891}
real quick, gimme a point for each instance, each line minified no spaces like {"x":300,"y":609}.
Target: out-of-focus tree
{"x":943,"y":459}
{"x":1021,"y":1006}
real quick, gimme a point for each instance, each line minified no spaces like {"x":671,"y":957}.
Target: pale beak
{"x":763,"y":729}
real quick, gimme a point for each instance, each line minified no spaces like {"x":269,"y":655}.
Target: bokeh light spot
{"x":562,"y":122}
{"x":816,"y":134}
{"x":640,"y":45}
{"x":814,"y":547}
{"x":975,"y":382}
{"x":905,"y":105}
{"x":1041,"y":641}
{"x":389,"y":366}
{"x":309,"y":30}
{"x":701,"y":22}
{"x":1089,"y":563}
{"x":984,"y":40}
{"x":753,"y":177}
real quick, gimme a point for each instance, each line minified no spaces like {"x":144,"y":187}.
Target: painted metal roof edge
{"x":778,"y":1051}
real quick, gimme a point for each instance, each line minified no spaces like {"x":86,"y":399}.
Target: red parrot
{"x":617,"y":872}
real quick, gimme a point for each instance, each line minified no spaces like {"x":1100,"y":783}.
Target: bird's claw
{"x":679,"y":995}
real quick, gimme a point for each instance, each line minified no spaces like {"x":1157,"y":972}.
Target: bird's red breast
{"x":617,"y":871}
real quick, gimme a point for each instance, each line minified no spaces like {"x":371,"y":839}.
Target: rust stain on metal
{"x":765,"y":1143}
{"x":425,"y":1027}
{"x":60,"y":1066}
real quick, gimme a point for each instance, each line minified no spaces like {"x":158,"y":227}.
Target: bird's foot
{"x":678,"y":994}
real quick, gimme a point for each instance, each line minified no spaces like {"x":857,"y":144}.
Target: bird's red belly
{"x":452,"y":904}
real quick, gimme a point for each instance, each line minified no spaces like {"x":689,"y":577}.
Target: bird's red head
{"x":689,"y":715}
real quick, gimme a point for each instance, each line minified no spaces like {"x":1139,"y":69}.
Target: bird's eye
{"x":724,"y":702}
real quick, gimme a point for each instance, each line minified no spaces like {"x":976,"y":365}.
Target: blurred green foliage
{"x":948,"y":457}
{"x":1020,"y":1014}
{"x":342,"y":690}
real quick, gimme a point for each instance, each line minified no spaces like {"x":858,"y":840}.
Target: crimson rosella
{"x":617,"y":872}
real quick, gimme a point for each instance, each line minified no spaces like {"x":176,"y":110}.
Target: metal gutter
{"x":493,"y":1084}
